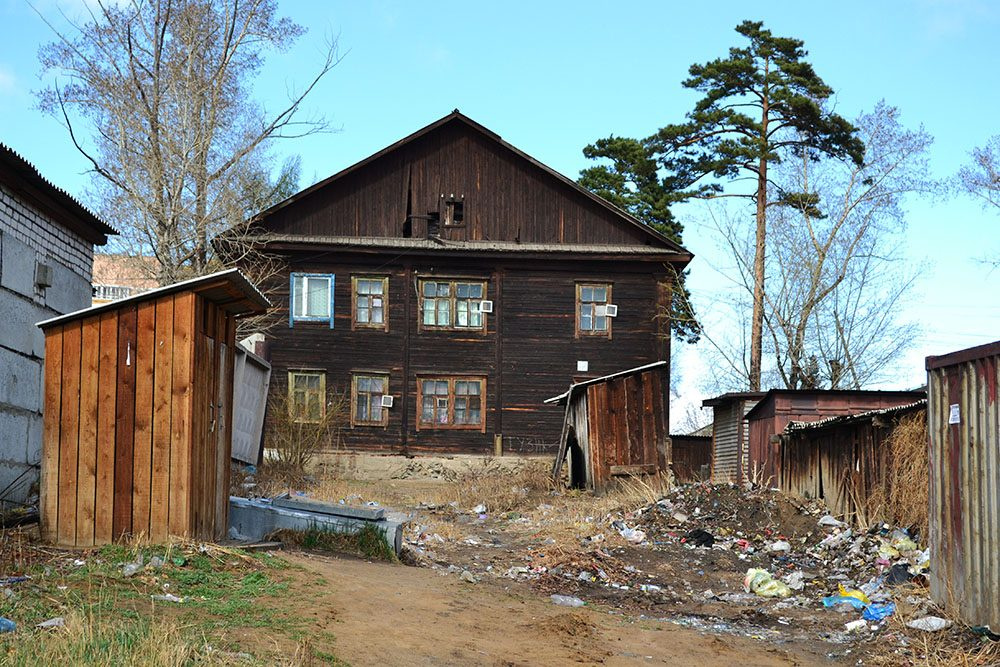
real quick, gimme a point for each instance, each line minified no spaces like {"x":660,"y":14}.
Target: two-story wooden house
{"x":450,"y":283}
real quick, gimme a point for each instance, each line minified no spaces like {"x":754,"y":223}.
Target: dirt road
{"x":397,"y":615}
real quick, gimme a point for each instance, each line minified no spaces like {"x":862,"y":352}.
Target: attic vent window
{"x":454,"y":211}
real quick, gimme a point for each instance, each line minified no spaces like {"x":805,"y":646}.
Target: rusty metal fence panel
{"x":964,"y":522}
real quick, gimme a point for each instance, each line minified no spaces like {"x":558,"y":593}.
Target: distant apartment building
{"x":118,"y":276}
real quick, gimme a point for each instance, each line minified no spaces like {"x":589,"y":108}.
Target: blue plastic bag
{"x":7,"y":625}
{"x":834,"y":600}
{"x":876,"y":611}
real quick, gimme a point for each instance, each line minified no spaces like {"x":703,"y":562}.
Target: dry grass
{"x":93,"y":639}
{"x":902,"y":496}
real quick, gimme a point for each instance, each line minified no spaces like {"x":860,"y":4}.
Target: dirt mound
{"x":569,"y":624}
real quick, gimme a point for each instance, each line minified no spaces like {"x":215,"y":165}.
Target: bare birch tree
{"x":156,"y":95}
{"x":837,"y":279}
{"x":981,"y":179}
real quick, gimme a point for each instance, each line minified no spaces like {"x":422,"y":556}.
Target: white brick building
{"x":47,"y":243}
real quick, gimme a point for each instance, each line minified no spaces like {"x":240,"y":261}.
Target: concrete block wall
{"x":28,"y":237}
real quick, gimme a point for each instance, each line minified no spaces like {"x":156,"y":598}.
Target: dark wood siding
{"x":534,"y":358}
{"x":507,"y":198}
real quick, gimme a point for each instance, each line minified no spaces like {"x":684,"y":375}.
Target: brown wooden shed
{"x":138,"y":413}
{"x":615,"y":426}
{"x":780,"y":406}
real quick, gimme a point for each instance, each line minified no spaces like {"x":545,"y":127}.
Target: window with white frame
{"x":451,"y":402}
{"x":452,"y":304}
{"x":311,"y":298}
{"x":366,"y":402}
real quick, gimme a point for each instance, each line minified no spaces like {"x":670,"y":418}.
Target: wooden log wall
{"x":121,"y":454}
{"x":527,"y":353}
{"x":499,"y":187}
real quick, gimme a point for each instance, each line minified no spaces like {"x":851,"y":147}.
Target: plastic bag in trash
{"x":847,"y":593}
{"x":835,"y":600}
{"x":929,"y":624}
{"x":567,"y":600}
{"x":876,"y":611}
{"x":763,"y":584}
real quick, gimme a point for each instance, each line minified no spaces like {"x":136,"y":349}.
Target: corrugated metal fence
{"x":964,"y":521}
{"x":842,"y":460}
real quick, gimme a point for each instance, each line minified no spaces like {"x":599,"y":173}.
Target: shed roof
{"x":24,"y":177}
{"x":457,"y":117}
{"x":229,"y":289}
{"x":847,"y":419}
{"x":732,"y":396}
{"x":962,"y":356}
{"x":577,"y":386}
{"x":831,"y":393}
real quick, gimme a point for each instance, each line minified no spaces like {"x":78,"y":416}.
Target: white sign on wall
{"x":954,"y":415}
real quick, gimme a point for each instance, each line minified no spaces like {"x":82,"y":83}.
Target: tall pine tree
{"x":760,"y":103}
{"x":632,"y":183}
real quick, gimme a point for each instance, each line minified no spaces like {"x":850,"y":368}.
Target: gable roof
{"x":26,"y":179}
{"x":457,"y":117}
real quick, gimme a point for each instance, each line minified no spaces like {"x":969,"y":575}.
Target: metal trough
{"x":253,"y":520}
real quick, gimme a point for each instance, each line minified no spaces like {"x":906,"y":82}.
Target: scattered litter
{"x":156,"y":562}
{"x":479,"y":509}
{"x":796,"y":580}
{"x":56,"y":622}
{"x":169,"y":597}
{"x":567,"y":600}
{"x":7,"y":625}
{"x":856,"y":626}
{"x":468,"y":576}
{"x":79,"y":562}
{"x":760,"y":582}
{"x":828,"y":520}
{"x":929,"y":623}
{"x":700,"y":538}
{"x":780,"y":545}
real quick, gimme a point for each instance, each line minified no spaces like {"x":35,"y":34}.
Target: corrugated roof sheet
{"x":847,"y":419}
{"x":27,"y":171}
{"x":577,"y":386}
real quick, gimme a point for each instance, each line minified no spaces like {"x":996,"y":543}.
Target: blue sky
{"x":552,"y":77}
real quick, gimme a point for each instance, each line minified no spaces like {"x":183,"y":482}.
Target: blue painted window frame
{"x":292,"y":318}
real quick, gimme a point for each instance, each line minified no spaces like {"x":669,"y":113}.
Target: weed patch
{"x":369,"y":542}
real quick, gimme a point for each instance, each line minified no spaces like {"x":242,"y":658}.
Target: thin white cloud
{"x":8,"y":81}
{"x":945,"y":19}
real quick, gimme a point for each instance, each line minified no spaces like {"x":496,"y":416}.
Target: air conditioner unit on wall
{"x":386,"y":401}
{"x":485,"y":306}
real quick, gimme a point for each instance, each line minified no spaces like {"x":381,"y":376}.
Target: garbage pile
{"x":796,"y":553}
